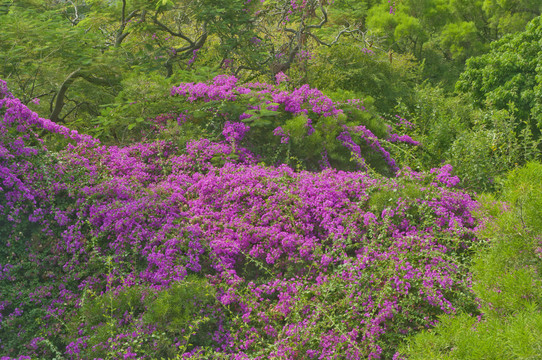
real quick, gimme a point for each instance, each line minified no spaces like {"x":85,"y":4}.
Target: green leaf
{"x":265,"y":112}
{"x":199,"y":114}
{"x":259,"y":122}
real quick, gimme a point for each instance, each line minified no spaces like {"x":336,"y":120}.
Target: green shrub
{"x":118,"y":322}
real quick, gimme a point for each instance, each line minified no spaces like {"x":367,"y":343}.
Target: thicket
{"x":279,"y":179}
{"x":279,"y":263}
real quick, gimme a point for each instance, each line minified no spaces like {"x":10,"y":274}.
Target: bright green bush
{"x":508,"y":77}
{"x":139,"y":318}
{"x":481,"y":146}
{"x":368,"y":72}
{"x":140,"y":107}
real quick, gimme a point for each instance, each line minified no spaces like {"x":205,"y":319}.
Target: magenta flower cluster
{"x":225,"y":88}
{"x":280,"y":78}
{"x":234,"y":131}
{"x":372,"y":141}
{"x":284,"y":138}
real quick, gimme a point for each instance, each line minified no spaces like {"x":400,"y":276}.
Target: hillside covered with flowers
{"x":278,"y":179}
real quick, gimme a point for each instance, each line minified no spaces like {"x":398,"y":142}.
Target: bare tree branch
{"x":60,"y":96}
{"x":171,"y":32}
{"x":75,"y":20}
{"x":341,"y":33}
{"x":121,"y":35}
{"x":322,"y":22}
{"x":74,"y":108}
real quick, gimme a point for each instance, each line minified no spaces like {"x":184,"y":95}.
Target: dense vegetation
{"x":278,"y":179}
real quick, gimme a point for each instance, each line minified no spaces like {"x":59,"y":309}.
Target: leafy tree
{"x":461,"y":40}
{"x":87,"y":47}
{"x":509,"y":76}
{"x":444,"y":33}
{"x":481,"y":145}
{"x":43,"y":55}
{"x":508,"y":16}
{"x":368,"y":71}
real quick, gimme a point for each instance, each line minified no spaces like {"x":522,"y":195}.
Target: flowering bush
{"x":302,"y":127}
{"x":35,"y":198}
{"x":204,"y":253}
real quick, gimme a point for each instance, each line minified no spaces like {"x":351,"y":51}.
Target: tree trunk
{"x":59,"y":103}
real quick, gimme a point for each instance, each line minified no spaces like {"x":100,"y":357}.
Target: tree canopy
{"x":509,"y":76}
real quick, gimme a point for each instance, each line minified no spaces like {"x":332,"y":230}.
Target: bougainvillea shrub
{"x":301,"y":127}
{"x":35,"y":287}
{"x":203,"y":252}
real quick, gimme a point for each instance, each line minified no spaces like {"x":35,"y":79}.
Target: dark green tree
{"x":509,"y":76}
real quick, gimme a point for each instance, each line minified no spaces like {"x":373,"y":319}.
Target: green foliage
{"x":506,"y":279}
{"x":511,"y":16}
{"x":184,"y":311}
{"x":386,"y":199}
{"x":42,"y":43}
{"x":39,"y":49}
{"x":370,"y":72}
{"x":97,"y":309}
{"x":130,"y":116}
{"x":109,"y":317}
{"x":14,"y":295}
{"x":443,"y":34}
{"x":117,"y":320}
{"x":177,"y":306}
{"x":481,"y":156}
{"x":481,"y":145}
{"x":438,"y":121}
{"x":33,"y":274}
{"x":508,"y":77}
{"x":461,"y":39}
{"x":523,"y":190}
{"x":463,"y":337}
